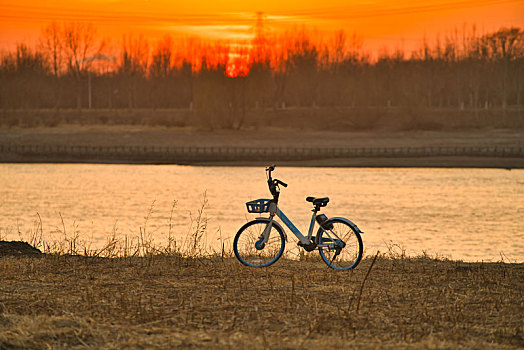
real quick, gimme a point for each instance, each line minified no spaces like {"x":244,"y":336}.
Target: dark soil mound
{"x":17,"y":248}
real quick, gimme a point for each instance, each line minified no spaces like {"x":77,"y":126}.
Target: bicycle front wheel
{"x":341,"y":247}
{"x":249,"y":246}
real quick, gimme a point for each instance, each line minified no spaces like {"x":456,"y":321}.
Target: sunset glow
{"x":237,"y":65}
{"x":381,"y":24}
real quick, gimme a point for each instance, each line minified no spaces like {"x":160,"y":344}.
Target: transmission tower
{"x":259,"y":42}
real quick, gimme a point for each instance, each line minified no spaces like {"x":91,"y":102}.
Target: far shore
{"x":499,"y":148}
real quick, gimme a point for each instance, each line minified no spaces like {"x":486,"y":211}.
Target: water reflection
{"x":470,"y":214}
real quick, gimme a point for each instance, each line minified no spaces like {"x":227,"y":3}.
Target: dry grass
{"x":135,"y":294}
{"x":305,"y":119}
{"x":164,"y":301}
{"x":53,"y":118}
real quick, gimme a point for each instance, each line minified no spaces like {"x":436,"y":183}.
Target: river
{"x":467,"y":214}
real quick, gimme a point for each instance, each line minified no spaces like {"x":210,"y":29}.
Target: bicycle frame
{"x":275,"y":210}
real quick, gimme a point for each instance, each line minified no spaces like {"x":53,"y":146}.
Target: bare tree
{"x":52,"y":45}
{"x":80,"y":46}
{"x":134,"y":57}
{"x":22,"y":78}
{"x":132,"y":66}
{"x":303,"y":59}
{"x":506,"y":45}
{"x":51,"y":42}
{"x":161,"y":62}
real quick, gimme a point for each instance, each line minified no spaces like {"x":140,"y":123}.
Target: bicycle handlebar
{"x":280,"y":183}
{"x":273,"y":183}
{"x":270,"y":168}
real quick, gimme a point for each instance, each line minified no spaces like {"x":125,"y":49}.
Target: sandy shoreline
{"x":413,"y":162}
{"x":150,"y":145}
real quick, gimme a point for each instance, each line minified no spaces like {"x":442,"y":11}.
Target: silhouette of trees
{"x":459,"y":71}
{"x":303,"y":60}
{"x":81,"y":47}
{"x":23,"y":78}
{"x":131,"y":70}
{"x":52,"y":46}
{"x":506,"y":49}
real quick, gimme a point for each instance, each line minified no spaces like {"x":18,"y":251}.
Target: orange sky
{"x":381,"y":23}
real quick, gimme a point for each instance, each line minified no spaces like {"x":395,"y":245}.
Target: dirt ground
{"x":66,"y":302}
{"x":270,"y":137}
{"x":125,"y":135}
{"x":17,"y":248}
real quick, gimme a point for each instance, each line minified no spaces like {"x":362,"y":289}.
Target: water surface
{"x":469,"y":214}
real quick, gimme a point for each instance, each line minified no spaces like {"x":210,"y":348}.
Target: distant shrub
{"x":410,"y":119}
{"x":51,"y":120}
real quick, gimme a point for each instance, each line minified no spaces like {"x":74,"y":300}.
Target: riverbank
{"x":153,"y":145}
{"x":214,"y":302}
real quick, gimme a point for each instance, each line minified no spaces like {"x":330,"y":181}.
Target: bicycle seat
{"x":318,"y":201}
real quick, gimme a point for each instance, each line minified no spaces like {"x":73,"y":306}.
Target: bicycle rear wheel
{"x":341,"y":247}
{"x":249,"y":247}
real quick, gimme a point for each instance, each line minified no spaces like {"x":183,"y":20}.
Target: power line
{"x":344,"y":12}
{"x":50,"y":13}
{"x":359,"y":12}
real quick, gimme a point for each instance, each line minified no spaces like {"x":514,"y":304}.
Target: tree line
{"x":73,"y":68}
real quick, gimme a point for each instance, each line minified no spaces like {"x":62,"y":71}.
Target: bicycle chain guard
{"x":308,"y":247}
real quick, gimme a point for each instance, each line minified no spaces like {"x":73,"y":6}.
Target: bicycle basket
{"x":258,"y":206}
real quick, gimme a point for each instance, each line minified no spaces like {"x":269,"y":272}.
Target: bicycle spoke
{"x":250,"y":248}
{"x":340,"y":247}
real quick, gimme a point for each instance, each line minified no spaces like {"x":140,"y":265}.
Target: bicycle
{"x":261,"y":242}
